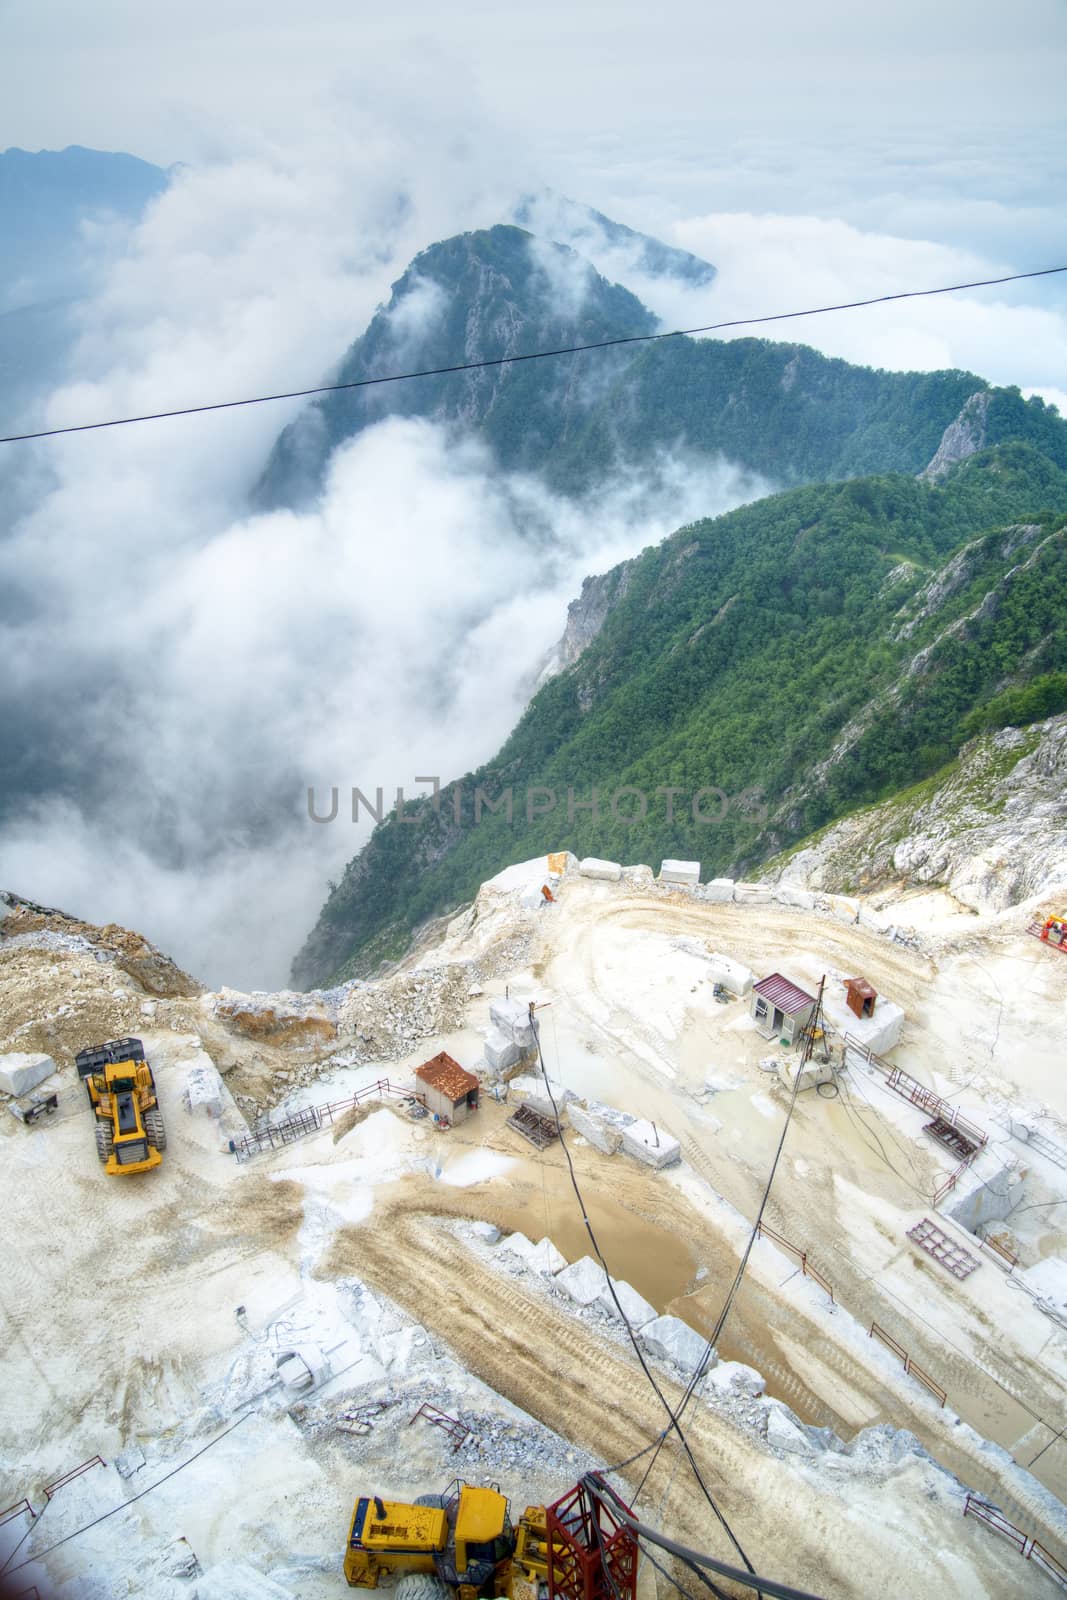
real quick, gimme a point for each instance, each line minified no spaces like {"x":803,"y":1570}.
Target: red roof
{"x":783,"y":994}
{"x":447,"y":1077}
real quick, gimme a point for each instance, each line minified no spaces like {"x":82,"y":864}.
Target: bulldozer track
{"x":505,"y":1335}
{"x":544,"y":1360}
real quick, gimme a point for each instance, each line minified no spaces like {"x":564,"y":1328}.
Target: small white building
{"x":779,"y":1008}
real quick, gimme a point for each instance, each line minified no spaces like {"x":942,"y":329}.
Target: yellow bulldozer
{"x":130,"y":1135}
{"x":460,"y":1543}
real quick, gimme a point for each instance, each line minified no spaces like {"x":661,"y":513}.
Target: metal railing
{"x":68,"y":1477}
{"x":1030,"y":1549}
{"x":1006,"y":1259}
{"x":17,"y":1509}
{"x":307,"y":1120}
{"x":910,"y":1088}
{"x":948,"y":1183}
{"x":806,"y":1267}
{"x":457,"y":1431}
{"x":913,"y":1371}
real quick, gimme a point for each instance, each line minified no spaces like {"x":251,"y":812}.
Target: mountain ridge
{"x":45,"y":195}
{"x":782,"y":410}
{"x":479,"y":296}
{"x":733,"y":657}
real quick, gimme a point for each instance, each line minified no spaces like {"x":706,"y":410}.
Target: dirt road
{"x":852,"y":1180}
{"x":570,"y":1379}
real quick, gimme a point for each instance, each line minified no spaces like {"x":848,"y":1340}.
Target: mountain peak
{"x":483,"y":296}
{"x":614,"y":249}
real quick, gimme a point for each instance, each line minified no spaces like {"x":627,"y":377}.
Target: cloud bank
{"x":179,"y":672}
{"x":388,"y":633}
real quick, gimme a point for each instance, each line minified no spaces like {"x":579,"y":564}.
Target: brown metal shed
{"x":860,"y":997}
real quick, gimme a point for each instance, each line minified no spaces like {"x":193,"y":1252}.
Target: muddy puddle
{"x":538,"y":1200}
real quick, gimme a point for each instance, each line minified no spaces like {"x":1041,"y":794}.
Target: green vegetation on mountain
{"x":806,"y":654}
{"x":779,"y":409}
{"x":1043,"y":696}
{"x":477,"y":297}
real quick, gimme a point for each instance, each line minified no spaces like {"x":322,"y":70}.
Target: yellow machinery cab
{"x":122,"y":1094}
{"x":126,"y":1083}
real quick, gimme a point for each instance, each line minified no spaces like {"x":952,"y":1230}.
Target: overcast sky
{"x":625,"y":91}
{"x":813,"y":153}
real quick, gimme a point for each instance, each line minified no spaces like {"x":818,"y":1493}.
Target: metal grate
{"x":1054,"y":1152}
{"x":952,"y":1256}
{"x":540,"y":1131}
{"x":951,"y":1138}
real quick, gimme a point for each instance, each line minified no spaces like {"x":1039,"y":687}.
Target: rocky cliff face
{"x":962,"y":438}
{"x":991,"y":830}
{"x":585,"y":618}
{"x":977,"y":569}
{"x":479,"y":297}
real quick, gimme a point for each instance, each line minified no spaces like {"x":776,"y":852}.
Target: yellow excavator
{"x":130,"y":1135}
{"x":460,"y":1543}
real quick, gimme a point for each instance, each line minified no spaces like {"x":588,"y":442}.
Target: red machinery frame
{"x":592,"y":1554}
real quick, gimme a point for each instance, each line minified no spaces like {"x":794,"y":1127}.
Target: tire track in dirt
{"x":515,"y":1341}
{"x":1001,"y":1407}
{"x":751,"y":931}
{"x":750,"y":1333}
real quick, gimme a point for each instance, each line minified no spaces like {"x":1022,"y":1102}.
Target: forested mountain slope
{"x":804,"y":654}
{"x":782,"y":410}
{"x":477,"y":297}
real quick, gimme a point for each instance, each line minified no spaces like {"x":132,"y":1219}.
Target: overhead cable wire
{"x":702,"y":1366}
{"x":598,"y":1488}
{"x":35,"y":1520}
{"x":682,"y":1590}
{"x":530,"y":355}
{"x":173,"y":1473}
{"x":671,"y":1579}
{"x":646,"y":1369}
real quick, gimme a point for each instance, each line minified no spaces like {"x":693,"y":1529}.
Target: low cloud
{"x":177,"y":672}
{"x":1015,"y":334}
{"x":201,"y":684}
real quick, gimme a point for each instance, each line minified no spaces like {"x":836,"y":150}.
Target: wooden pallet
{"x":952,"y":1256}
{"x":540,"y":1131}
